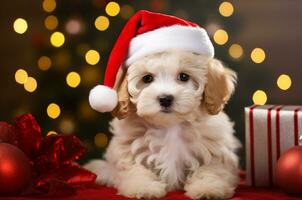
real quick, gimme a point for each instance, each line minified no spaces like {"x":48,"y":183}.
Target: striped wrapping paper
{"x":270,"y":131}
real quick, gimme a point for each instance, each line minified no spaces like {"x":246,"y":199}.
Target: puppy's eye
{"x":147,"y":78}
{"x":183,"y":77}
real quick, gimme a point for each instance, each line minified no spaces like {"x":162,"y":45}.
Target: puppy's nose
{"x":165,"y":100}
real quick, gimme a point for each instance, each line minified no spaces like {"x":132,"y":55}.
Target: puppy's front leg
{"x":139,"y":182}
{"x":212,"y":182}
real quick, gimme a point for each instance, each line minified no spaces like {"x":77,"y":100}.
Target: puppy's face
{"x":167,"y":87}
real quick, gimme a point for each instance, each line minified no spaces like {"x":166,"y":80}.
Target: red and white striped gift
{"x":270,"y":131}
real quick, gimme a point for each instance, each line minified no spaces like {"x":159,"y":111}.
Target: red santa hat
{"x":147,"y":33}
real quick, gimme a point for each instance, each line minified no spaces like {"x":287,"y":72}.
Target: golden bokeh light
{"x":53,"y":110}
{"x":284,"y":82}
{"x":221,"y":37}
{"x":259,"y":97}
{"x":101,"y":23}
{"x":92,"y":57}
{"x":49,"y":5}
{"x":73,"y":79}
{"x":21,"y":76}
{"x":31,"y":84}
{"x":112,"y":8}
{"x":100,"y":140}
{"x":20,"y":25}
{"x":235,"y":51}
{"x":44,"y":63}
{"x":126,"y":11}
{"x":52,"y":133}
{"x":51,"y":22}
{"x":258,"y":55}
{"x":226,"y":9}
{"x":57,"y":39}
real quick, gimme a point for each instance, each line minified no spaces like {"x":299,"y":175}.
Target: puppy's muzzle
{"x":166,"y":100}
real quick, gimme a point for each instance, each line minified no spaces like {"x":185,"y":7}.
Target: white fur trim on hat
{"x":103,"y":98}
{"x":186,"y":38}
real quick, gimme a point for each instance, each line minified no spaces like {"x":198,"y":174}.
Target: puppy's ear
{"x":122,"y":109}
{"x":219,"y":88}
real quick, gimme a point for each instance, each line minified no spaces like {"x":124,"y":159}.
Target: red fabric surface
{"x":100,"y":192}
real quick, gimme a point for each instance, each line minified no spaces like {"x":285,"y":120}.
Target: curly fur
{"x":190,"y":148}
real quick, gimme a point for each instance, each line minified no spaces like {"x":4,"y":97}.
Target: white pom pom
{"x":103,"y":98}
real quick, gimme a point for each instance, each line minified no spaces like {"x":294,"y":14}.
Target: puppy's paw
{"x":103,"y":170}
{"x":142,"y":189}
{"x":208,"y":188}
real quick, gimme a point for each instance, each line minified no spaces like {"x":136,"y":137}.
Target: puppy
{"x":172,"y":134}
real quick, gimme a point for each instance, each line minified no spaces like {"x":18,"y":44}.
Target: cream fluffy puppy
{"x":173,"y":135}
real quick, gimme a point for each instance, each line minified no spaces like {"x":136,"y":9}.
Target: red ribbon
{"x":269,"y":145}
{"x":51,"y":158}
{"x":251,"y":123}
{"x":278,"y":142}
{"x":296,"y":126}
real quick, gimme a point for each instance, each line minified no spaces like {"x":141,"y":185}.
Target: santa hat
{"x":147,"y":33}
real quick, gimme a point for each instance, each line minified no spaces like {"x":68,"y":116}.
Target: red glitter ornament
{"x":50,"y":159}
{"x":289,"y":171}
{"x":15,"y":171}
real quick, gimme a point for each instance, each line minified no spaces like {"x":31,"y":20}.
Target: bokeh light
{"x":259,"y":97}
{"x":57,"y":39}
{"x":284,"y":82}
{"x":51,"y":22}
{"x":52,"y":133}
{"x":67,"y":126}
{"x":21,"y":76}
{"x":53,"y":110}
{"x":92,"y":57}
{"x":44,"y":63}
{"x":112,"y":8}
{"x":73,"y":79}
{"x":74,"y":26}
{"x":126,"y":11}
{"x":20,"y":25}
{"x":221,"y":37}
{"x":49,"y":5}
{"x":31,"y":84}
{"x":101,"y":23}
{"x":100,"y":140}
{"x":226,"y":9}
{"x":258,"y":55}
{"x":235,"y":51}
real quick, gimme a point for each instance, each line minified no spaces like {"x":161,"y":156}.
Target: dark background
{"x":273,"y":25}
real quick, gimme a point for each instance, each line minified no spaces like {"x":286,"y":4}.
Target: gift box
{"x":270,"y":131}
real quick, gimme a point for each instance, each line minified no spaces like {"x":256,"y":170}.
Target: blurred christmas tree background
{"x":54,"y":51}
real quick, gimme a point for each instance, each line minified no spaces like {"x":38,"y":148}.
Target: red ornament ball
{"x":289,"y":171}
{"x":15,"y":170}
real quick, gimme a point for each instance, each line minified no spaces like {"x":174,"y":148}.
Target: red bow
{"x":51,"y":158}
